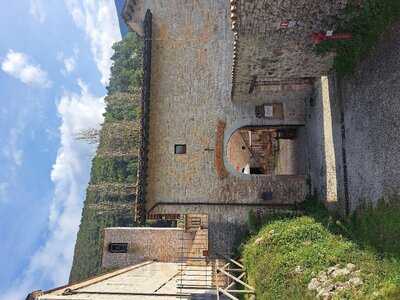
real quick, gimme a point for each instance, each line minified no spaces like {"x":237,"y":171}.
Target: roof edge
{"x":93,"y":280}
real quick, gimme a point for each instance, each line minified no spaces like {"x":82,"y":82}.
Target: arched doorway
{"x":267,"y":150}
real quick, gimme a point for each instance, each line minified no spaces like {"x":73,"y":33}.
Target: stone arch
{"x":264,"y":149}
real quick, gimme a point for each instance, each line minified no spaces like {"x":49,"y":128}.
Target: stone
{"x":356,"y":281}
{"x":322,"y":276}
{"x":351,"y":267}
{"x":332,"y":269}
{"x":326,"y":293}
{"x":258,"y":241}
{"x":314,"y":284}
{"x":340,"y":272}
{"x":298,"y":270}
{"x":325,"y":286}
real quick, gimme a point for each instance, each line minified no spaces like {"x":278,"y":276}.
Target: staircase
{"x":196,"y":272}
{"x":202,"y":278}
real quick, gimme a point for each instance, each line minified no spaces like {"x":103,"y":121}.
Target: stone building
{"x":235,"y":118}
{"x":273,"y":46}
{"x":148,"y":280}
{"x":223,"y":129}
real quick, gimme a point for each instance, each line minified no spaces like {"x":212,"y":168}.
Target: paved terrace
{"x":149,"y":280}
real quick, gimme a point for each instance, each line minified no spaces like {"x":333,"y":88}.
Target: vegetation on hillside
{"x":126,"y":71}
{"x":284,"y":256}
{"x":367,"y":20}
{"x":111,"y":191}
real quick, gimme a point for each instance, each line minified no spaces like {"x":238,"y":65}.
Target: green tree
{"x":126,"y":72}
{"x":111,"y":191}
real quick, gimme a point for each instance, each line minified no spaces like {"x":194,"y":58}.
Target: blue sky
{"x":54,"y":66}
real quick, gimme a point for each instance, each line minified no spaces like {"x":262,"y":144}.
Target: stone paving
{"x":153,"y":281}
{"x":369,"y":101}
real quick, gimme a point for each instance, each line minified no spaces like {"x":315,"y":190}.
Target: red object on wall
{"x":284,"y":24}
{"x":319,"y":37}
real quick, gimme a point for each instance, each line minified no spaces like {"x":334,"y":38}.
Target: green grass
{"x":378,"y":228}
{"x":317,"y":241}
{"x":367,"y":24}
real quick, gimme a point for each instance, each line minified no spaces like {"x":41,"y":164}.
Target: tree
{"x":126,"y":71}
{"x":91,"y":135}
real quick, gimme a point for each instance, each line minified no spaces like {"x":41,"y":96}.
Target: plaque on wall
{"x":270,"y":111}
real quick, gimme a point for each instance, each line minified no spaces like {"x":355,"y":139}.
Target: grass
{"x":317,"y":241}
{"x":367,"y":23}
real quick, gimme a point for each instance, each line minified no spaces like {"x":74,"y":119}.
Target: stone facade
{"x":190,"y":94}
{"x":144,"y":244}
{"x":269,"y":52}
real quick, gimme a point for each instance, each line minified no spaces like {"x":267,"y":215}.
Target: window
{"x":118,"y":247}
{"x":180,"y":149}
{"x":267,"y":196}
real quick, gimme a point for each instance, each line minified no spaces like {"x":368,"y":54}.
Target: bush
{"x":272,"y":256}
{"x":378,"y":228}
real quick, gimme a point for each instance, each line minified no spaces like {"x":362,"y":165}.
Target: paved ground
{"x":372,"y":121}
{"x":369,"y":100}
{"x":154,"y":281}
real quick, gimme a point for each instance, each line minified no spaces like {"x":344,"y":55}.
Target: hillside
{"x":315,"y":256}
{"x":111,"y":189}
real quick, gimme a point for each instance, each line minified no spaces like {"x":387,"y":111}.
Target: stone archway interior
{"x":267,"y":150}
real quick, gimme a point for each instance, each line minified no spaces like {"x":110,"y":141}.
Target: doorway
{"x":266,"y":150}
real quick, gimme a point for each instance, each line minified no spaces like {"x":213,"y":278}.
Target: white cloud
{"x":69,"y":64}
{"x":70,"y":175}
{"x":99,"y":20}
{"x":17,"y":64}
{"x":37,"y":10}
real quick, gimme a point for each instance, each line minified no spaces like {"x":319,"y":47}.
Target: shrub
{"x":272,"y":256}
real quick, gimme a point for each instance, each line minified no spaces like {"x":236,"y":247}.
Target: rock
{"x":356,"y":281}
{"x":339,"y":286}
{"x":351,"y":267}
{"x":340,"y":272}
{"x":327,"y":292}
{"x":314,"y":284}
{"x":324,"y":284}
{"x":322,"y":273}
{"x":298,"y":270}
{"x":258,"y":241}
{"x":322,"y":276}
{"x":332,"y":269}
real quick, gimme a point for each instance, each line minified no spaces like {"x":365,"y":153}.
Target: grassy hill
{"x":111,"y":190}
{"x":317,"y":257}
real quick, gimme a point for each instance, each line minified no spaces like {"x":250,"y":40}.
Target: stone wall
{"x":372,"y":124}
{"x":265,"y":51}
{"x":325,"y":144}
{"x":190,"y":93}
{"x":353,"y":131}
{"x":144,"y":243}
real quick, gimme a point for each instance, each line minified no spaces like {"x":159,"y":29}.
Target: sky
{"x":54,"y":67}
